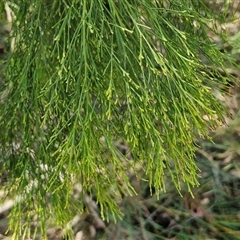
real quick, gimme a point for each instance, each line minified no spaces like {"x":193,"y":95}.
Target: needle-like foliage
{"x":83,"y":75}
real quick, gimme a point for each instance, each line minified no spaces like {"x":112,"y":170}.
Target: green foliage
{"x":83,"y":75}
{"x":212,"y":214}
